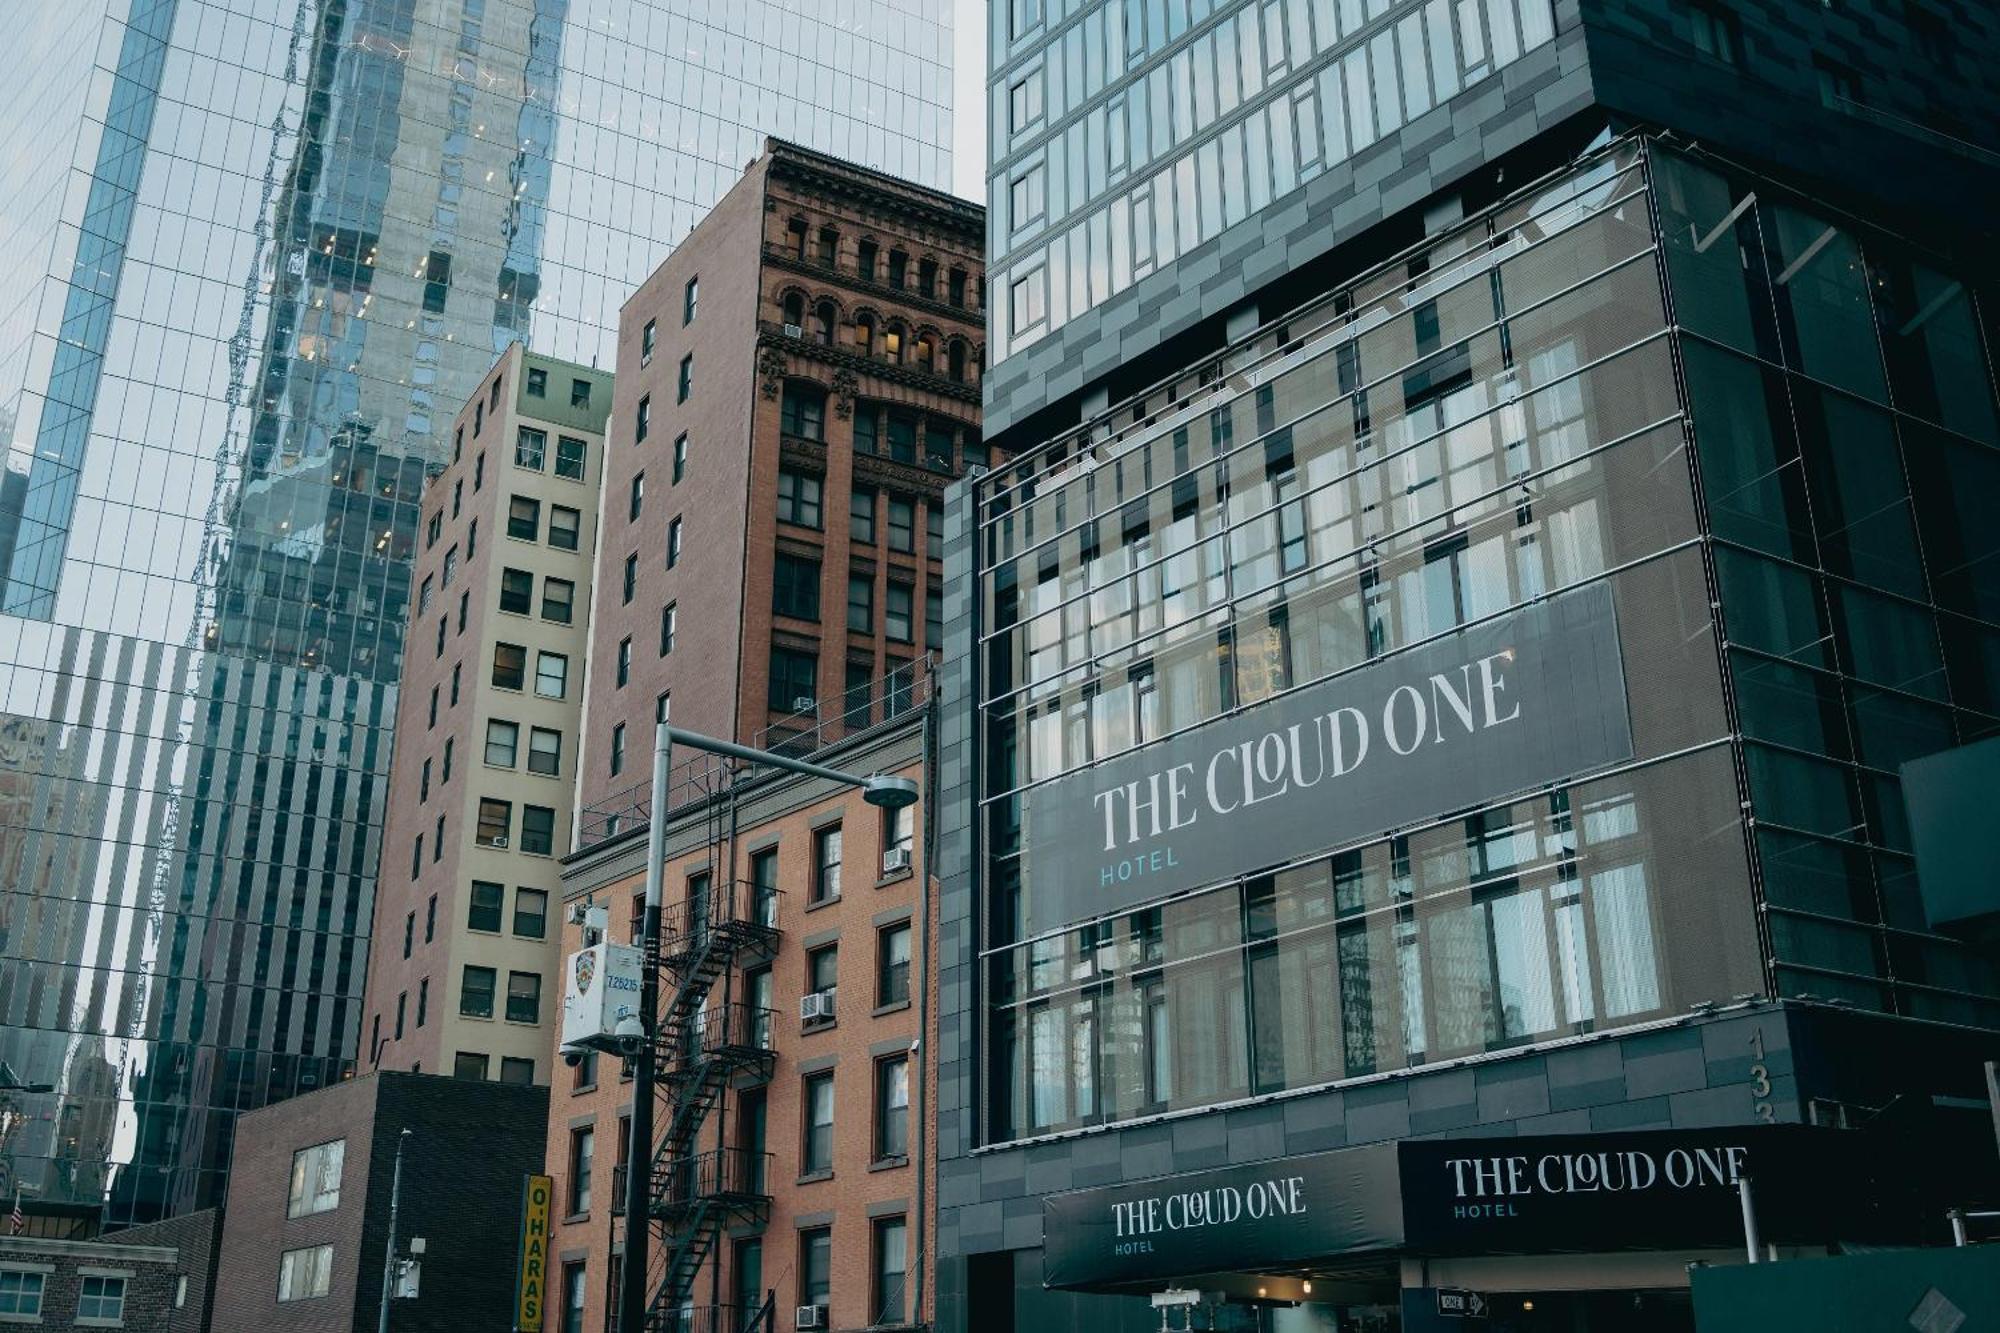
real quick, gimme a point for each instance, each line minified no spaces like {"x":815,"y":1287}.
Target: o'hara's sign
{"x":1533,"y":697}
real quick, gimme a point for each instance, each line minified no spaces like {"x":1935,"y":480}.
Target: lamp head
{"x":889,"y":792}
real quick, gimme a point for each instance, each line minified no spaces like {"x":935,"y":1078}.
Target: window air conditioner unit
{"x":794,"y":331}
{"x":804,"y":703}
{"x":816,"y":1007}
{"x":896,"y":858}
{"x":810,"y":1316}
{"x":500,"y":842}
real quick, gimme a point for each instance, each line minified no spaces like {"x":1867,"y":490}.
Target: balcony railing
{"x":736,"y":912}
{"x":732,"y":1178}
{"x":735,"y":1032}
{"x":718,"y":1319}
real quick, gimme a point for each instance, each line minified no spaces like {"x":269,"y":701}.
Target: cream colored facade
{"x":464,"y":976}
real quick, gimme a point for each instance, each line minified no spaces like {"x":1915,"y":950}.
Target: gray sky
{"x":968,"y":121}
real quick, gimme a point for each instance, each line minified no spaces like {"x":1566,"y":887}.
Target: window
{"x":899,"y":264}
{"x":579,"y":393}
{"x":437,"y":281}
{"x":437,"y":843}
{"x":450,"y":567}
{"x":531,"y":448}
{"x":496,"y":821}
{"x":569,"y":457}
{"x":423,"y":1000}
{"x":524,"y":997}
{"x":818,"y":1156}
{"x":899,"y":831}
{"x":680,"y":457}
{"x":538,"y":830}
{"x":551,"y":675}
{"x":816,"y":1266}
{"x":538,"y":382}
{"x":574,"y":1285}
{"x":517,"y":591}
{"x":892,"y":965}
{"x":483,"y":906}
{"x":795,"y":587}
{"x":434,"y":706}
{"x":648,"y":339}
{"x":630,"y":583}
{"x":1024,"y":198}
{"x":670,"y":616}
{"x":617,"y":749}
{"x":545,"y":752}
{"x":510,"y":664}
{"x":892,"y":1266}
{"x":475,"y":995}
{"x":825,"y":319}
{"x":558,"y":600}
{"x":1839,"y":85}
{"x":305,"y":1274}
{"x":624,"y":676}
{"x":464,"y":605}
{"x":638,"y":501}
{"x":409,"y":932}
{"x":447,"y":757}
{"x":803,"y":412}
{"x":1716,"y":32}
{"x":861,"y":515}
{"x":581,"y":1146}
{"x":956,"y":285}
{"x":402,"y":1004}
{"x":663,"y":707}
{"x":531,"y":913}
{"x":861,"y":604}
{"x":927,"y":271}
{"x":1023,"y":15}
{"x":470,"y":1065}
{"x":431,"y":920}
{"x":892,"y":1108}
{"x":794,"y":679}
{"x":502,"y":738}
{"x":864,"y":260}
{"x":316,"y":1179}
{"x":479,"y":469}
{"x":424,"y":594}
{"x":102,"y":1300}
{"x":934,"y":531}
{"x":583,"y":1074}
{"x":565,"y":527}
{"x":826,"y":865}
{"x":934,"y":620}
{"x":1027,"y":300}
{"x":690,"y":301}
{"x":860,"y":682}
{"x":798,"y":499}
{"x":896,"y":613}
{"x":455,"y":668}
{"x":20,"y":1292}
{"x":525,"y":517}
{"x":684,"y":381}
{"x":417,"y":856}
{"x":518,"y":1070}
{"x":829,"y":246}
{"x":902,"y":525}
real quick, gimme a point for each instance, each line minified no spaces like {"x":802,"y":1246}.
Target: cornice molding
{"x":774,"y":346}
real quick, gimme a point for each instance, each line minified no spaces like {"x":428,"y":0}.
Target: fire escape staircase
{"x":703,"y":1045}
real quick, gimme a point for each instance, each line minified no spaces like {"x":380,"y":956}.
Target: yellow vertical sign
{"x":532,"y":1282}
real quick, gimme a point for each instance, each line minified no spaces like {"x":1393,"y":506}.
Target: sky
{"x":968,"y":120}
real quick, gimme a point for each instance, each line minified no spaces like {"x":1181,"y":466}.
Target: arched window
{"x":864,"y":335}
{"x":824,"y":319}
{"x":799,"y":237}
{"x":892,"y":343}
{"x":926,"y":353}
{"x":795,"y":313}
{"x":829,"y":246}
{"x":956,"y":356}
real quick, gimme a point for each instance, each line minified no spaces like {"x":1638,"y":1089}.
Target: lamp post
{"x":878,"y":789}
{"x":389,"y":1258}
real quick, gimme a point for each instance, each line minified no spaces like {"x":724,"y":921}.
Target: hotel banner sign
{"x":1530,"y":698}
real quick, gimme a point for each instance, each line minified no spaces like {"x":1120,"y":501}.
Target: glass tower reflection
{"x":258,"y":256}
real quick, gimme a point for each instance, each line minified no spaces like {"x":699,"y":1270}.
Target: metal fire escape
{"x":705,"y":1043}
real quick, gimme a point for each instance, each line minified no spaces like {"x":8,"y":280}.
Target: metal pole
{"x":1957,"y":1216}
{"x":767,"y":758}
{"x":389,"y":1258}
{"x":639,"y":1152}
{"x":1993,"y":1095}
{"x":1750,"y":1241}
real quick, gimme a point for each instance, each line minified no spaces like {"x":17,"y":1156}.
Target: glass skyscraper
{"x":257,"y":257}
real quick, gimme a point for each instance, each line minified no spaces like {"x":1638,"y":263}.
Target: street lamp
{"x":884,"y":790}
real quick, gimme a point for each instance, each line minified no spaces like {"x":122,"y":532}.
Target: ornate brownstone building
{"x":797,"y":384}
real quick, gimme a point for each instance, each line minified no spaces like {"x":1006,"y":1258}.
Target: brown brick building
{"x":796,"y":385}
{"x":461,"y":975}
{"x":793,"y":1160}
{"x":306,"y":1227}
{"x":158,"y":1277}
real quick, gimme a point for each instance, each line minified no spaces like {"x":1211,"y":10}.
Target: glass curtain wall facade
{"x":1124,"y":133}
{"x":1484,"y":423}
{"x":258,"y":260}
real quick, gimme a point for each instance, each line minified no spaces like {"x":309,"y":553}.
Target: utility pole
{"x":639,"y":1152}
{"x":389,"y":1258}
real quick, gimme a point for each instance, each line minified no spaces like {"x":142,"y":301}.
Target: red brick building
{"x":796,"y":385}
{"x":793,"y":1162}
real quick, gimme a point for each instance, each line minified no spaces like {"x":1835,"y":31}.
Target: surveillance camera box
{"x":600,"y":987}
